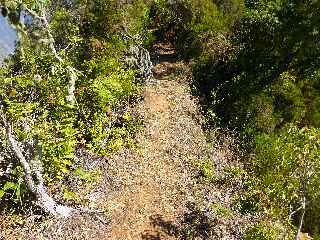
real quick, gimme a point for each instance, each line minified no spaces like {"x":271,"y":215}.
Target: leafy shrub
{"x":187,"y":23}
{"x":288,"y":165}
{"x":34,"y":89}
{"x":267,"y":231}
{"x":172,"y":22}
{"x":206,"y":169}
{"x":100,"y":18}
{"x":262,"y":85}
{"x":136,"y":17}
{"x":207,"y":17}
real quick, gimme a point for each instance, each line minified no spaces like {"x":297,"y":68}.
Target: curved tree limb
{"x":33,"y":173}
{"x":46,"y":202}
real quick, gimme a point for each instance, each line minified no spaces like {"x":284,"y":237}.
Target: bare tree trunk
{"x":46,"y":202}
{"x":305,"y":182}
{"x":303,"y":208}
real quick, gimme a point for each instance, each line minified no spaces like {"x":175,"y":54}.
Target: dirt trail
{"x":157,"y":177}
{"x":153,"y":191}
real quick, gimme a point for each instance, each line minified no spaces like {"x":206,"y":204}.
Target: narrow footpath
{"x":154,"y":191}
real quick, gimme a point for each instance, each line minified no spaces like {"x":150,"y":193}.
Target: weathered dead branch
{"x":33,"y":173}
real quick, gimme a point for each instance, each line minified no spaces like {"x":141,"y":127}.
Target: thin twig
{"x":303,"y":207}
{"x":294,"y":212}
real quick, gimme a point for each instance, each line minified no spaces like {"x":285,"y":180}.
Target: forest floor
{"x":155,"y":190}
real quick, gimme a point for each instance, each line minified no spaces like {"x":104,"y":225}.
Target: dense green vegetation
{"x":255,"y":69}
{"x":83,"y":42}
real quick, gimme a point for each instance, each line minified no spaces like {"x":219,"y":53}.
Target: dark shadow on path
{"x":194,"y":225}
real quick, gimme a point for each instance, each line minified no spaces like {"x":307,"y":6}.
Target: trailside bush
{"x":267,"y":231}
{"x":172,"y":20}
{"x":34,"y":86}
{"x":186,"y":23}
{"x":136,"y":17}
{"x":265,"y":84}
{"x":288,"y":165}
